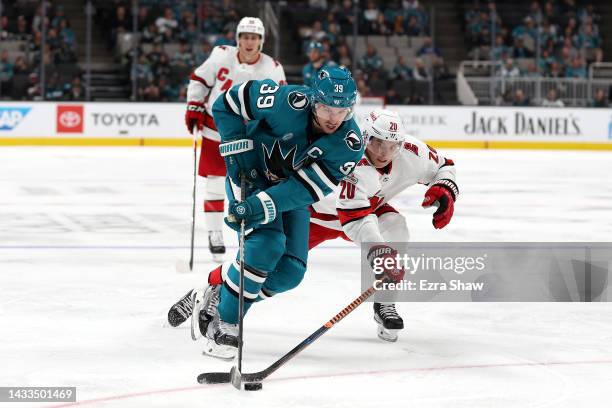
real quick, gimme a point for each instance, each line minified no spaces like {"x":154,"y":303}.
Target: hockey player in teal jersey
{"x":293,"y":145}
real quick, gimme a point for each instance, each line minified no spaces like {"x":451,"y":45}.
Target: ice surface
{"x":88,"y":242}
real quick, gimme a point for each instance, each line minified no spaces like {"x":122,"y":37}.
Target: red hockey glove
{"x":194,"y":116}
{"x":444,"y":193}
{"x":383,"y":262}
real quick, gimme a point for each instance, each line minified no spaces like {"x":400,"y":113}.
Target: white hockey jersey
{"x":362,"y":197}
{"x":220,"y":72}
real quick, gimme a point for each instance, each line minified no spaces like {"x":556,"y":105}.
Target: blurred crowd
{"x":21,"y":54}
{"x":170,"y":44}
{"x":554,"y":38}
{"x":324,"y":28}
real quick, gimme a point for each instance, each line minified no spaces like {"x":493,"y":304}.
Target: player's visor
{"x":325,"y":112}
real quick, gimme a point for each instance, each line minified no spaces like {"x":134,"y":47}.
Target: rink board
{"x":162,"y":124}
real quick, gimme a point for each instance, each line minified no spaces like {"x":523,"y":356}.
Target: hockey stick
{"x":237,"y":369}
{"x":193,"y":209}
{"x":224,"y":377}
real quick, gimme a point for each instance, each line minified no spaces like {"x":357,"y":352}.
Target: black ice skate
{"x":389,"y":322}
{"x":221,"y":339}
{"x":216,"y":245}
{"x":181,"y":310}
{"x":204,"y":303}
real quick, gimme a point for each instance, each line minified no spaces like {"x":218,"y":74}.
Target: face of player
{"x":381,"y":152}
{"x":328,"y":118}
{"x":248,"y":46}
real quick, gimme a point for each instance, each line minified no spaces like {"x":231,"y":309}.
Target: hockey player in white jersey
{"x":226,"y":66}
{"x":361,"y":212}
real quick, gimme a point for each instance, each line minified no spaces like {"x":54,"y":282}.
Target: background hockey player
{"x":226,"y":66}
{"x":296,"y":146}
{"x":317,"y":60}
{"x":361,"y":212}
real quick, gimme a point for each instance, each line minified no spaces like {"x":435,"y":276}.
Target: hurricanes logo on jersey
{"x":297,"y":100}
{"x":353,"y":141}
{"x":278,"y":165}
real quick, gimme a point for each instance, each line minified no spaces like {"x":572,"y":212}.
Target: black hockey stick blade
{"x":214,"y":378}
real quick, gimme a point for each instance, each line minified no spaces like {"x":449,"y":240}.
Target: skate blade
{"x":387,"y":334}
{"x":198,"y":303}
{"x":219,"y":351}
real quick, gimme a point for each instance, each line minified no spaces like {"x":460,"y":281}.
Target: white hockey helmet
{"x":384,"y":124}
{"x":251,"y":25}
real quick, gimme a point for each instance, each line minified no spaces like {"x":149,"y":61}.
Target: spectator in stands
{"x":525,"y":30}
{"x":499,"y":49}
{"x":150,"y":92}
{"x":552,"y":100}
{"x":144,"y":18}
{"x":371,"y":63}
{"x":520,"y":50}
{"x":380,"y":26}
{"x":577,"y":69}
{"x":120,"y":23}
{"x":413,"y":28}
{"x":6,"y":68}
{"x":59,"y":16}
{"x":401,"y":70}
{"x":66,"y":34}
{"x":204,"y":52}
{"x":392,"y":98}
{"x":509,"y":70}
{"x":155,"y":55}
{"x":370,"y":16}
{"x":54,"y":90}
{"x":363,"y":90}
{"x":555,"y":70}
{"x":428,"y":48}
{"x":64,"y":54}
{"x":162,"y":68}
{"x":532,"y":71}
{"x":420,"y":72}
{"x":317,"y":61}
{"x":34,"y":89}
{"x":21,"y":66}
{"x":75,"y":91}
{"x":4,"y":28}
{"x":167,"y":93}
{"x":520,"y":99}
{"x":190,"y":34}
{"x":144,"y":73}
{"x":228,"y":38}
{"x":183,"y":57}
{"x":345,"y":16}
{"x":151,"y":35}
{"x":23,"y":32}
{"x":166,"y":24}
{"x":600,"y":100}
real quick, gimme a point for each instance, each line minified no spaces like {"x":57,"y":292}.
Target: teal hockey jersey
{"x":294,"y":165}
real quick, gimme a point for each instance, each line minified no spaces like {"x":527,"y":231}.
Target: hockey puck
{"x":252,"y":386}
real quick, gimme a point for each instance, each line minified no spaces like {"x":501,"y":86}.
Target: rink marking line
{"x":336,"y":375}
{"x":169,"y":247}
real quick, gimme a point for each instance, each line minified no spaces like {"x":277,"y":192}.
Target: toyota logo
{"x":70,"y":119}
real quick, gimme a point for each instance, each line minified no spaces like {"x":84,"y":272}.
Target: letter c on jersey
{"x":221,"y":75}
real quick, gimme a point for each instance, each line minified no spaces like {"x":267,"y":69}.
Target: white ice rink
{"x":89,"y":237}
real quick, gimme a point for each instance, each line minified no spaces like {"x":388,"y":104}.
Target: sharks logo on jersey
{"x":279,"y":166}
{"x":297,"y":100}
{"x":353,"y":141}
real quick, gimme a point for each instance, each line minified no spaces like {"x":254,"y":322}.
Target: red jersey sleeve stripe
{"x":346,"y":216}
{"x":194,"y":77}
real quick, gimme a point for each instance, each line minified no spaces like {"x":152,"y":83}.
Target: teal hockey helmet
{"x":334,"y":86}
